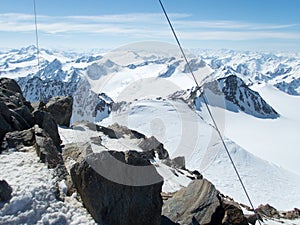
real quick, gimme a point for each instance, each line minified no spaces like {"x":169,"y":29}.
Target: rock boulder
{"x":198,"y":203}
{"x":15,"y":111}
{"x":18,"y":139}
{"x":45,"y":121}
{"x":113,"y":203}
{"x":5,"y":191}
{"x":61,"y":109}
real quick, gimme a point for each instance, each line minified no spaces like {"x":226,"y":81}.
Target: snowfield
{"x":34,"y":194}
{"x":183,"y":132}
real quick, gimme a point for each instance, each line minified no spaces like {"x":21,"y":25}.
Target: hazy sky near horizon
{"x":271,"y":25}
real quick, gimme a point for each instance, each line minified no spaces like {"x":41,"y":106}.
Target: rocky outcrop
{"x":5,"y":191}
{"x":152,"y":144}
{"x":46,"y":150}
{"x":200,"y":203}
{"x":114,"y":203}
{"x":15,"y":111}
{"x":195,"y":204}
{"x":268,"y":211}
{"x":233,"y":213}
{"x":60,"y":109}
{"x":291,"y":215}
{"x":45,"y":121}
{"x":18,"y":139}
{"x":177,"y":162}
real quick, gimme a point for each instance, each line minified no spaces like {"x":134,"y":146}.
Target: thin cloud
{"x":148,"y":25}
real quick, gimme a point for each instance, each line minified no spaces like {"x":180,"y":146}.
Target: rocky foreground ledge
{"x":45,"y":181}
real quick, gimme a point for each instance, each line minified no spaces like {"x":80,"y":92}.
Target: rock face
{"x":47,"y":123}
{"x":195,"y":204}
{"x":15,"y":111}
{"x":268,"y":211}
{"x":113,"y":203}
{"x":5,"y":191}
{"x":61,"y":109}
{"x":46,"y":149}
{"x":233,"y":214}
{"x":152,"y":144}
{"x":18,"y":139}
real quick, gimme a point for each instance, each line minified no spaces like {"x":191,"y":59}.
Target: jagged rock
{"x":126,"y":131}
{"x":47,"y":123}
{"x":177,"y":163}
{"x":268,"y":211}
{"x":197,"y":174}
{"x":252,"y":219}
{"x":15,"y":111}
{"x":46,"y":150}
{"x":152,"y":144}
{"x":291,"y":215}
{"x":109,"y":132}
{"x":76,"y":151}
{"x":198,"y":203}
{"x":113,"y":203}
{"x":61,"y":109}
{"x":233,"y":213}
{"x":18,"y":139}
{"x":10,"y":85}
{"x":5,"y":191}
{"x":73,"y":153}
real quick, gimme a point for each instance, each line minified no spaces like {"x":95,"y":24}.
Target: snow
{"x":272,"y":139}
{"x":82,"y":134}
{"x":144,"y":79}
{"x":34,"y":194}
{"x":183,"y":132}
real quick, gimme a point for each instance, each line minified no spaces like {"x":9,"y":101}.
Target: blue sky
{"x":272,"y":25}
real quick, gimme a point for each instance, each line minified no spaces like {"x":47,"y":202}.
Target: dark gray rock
{"x":233,"y":214}
{"x":5,"y":191}
{"x":114,"y":203}
{"x":167,"y":221}
{"x":198,"y":203}
{"x":61,"y":109}
{"x":268,"y":211}
{"x":76,"y":151}
{"x":46,"y":150}
{"x":177,"y":163}
{"x":126,"y":131}
{"x":152,"y":144}
{"x":47,"y":123}
{"x":6,"y":120}
{"x":18,"y":139}
{"x":109,"y":132}
{"x":15,"y":111}
{"x":10,"y":85}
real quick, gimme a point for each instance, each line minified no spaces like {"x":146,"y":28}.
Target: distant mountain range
{"x":154,"y":93}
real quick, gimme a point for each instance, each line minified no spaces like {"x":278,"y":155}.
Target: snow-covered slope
{"x":34,"y":194}
{"x":183,"y":132}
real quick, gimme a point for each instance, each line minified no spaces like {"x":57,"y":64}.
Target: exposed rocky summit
{"x":45,"y":121}
{"x":61,"y":109}
{"x":18,"y":139}
{"x":201,"y":203}
{"x":15,"y":111}
{"x":114,"y":203}
{"x":195,"y":204}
